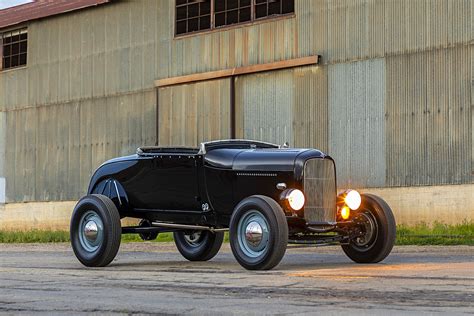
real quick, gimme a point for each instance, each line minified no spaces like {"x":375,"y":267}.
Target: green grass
{"x":421,"y":234}
{"x":436,"y":234}
{"x":34,"y":236}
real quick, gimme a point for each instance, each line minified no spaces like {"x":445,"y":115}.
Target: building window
{"x":192,"y":16}
{"x":14,"y":47}
{"x":198,"y":15}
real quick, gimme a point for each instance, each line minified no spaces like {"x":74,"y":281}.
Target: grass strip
{"x":421,"y":234}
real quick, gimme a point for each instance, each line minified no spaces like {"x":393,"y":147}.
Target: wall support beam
{"x":289,"y":63}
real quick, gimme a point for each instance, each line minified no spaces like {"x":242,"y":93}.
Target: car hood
{"x":268,"y":159}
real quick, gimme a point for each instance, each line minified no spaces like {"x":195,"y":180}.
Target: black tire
{"x":265,"y":252}
{"x":99,"y":209}
{"x":201,"y":248}
{"x":375,"y":212}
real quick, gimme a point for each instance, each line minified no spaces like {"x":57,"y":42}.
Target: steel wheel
{"x":198,"y":245}
{"x":376,"y":223}
{"x":95,"y":230}
{"x":258,"y":233}
{"x":369,"y":227}
{"x":91,"y":231}
{"x":194,"y":238}
{"x":253,"y":234}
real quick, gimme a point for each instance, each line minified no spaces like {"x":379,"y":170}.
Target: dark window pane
{"x":220,"y":19}
{"x":193,"y":25}
{"x":274,"y":8}
{"x":205,"y":8}
{"x":6,"y":62}
{"x":261,"y":1}
{"x":178,"y":2}
{"x":181,"y":13}
{"x":23,"y":47}
{"x":244,"y":15}
{"x":6,"y":40}
{"x":14,"y":60}
{"x":261,"y":10}
{"x":23,"y":36}
{"x":15,"y":48}
{"x":7,"y":50}
{"x":232,"y":17}
{"x":205,"y":22}
{"x":193,"y":10}
{"x":15,"y":38}
{"x":181,"y":27}
{"x":232,"y":4}
{"x":219,"y":5}
{"x":244,"y":3}
{"x":288,"y":6}
{"x":23,"y":59}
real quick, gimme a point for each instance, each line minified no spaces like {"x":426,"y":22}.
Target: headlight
{"x":295,"y":199}
{"x":345,"y":212}
{"x":353,"y":199}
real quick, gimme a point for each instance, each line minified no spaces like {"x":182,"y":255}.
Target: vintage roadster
{"x":265,"y":195}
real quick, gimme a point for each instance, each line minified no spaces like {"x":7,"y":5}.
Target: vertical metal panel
{"x":266,"y":102}
{"x":193,"y":113}
{"x":355,"y":30}
{"x":3,"y":139}
{"x":356,"y":122}
{"x":428,"y":104}
{"x":413,"y":25}
{"x":99,"y":75}
{"x":10,"y":152}
{"x":310,"y":107}
{"x":312,"y":27}
{"x":471,"y":48}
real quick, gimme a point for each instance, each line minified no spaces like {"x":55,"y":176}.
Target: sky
{"x":4,"y":4}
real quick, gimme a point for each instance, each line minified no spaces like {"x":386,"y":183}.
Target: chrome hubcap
{"x":253,"y":234}
{"x":91,"y":231}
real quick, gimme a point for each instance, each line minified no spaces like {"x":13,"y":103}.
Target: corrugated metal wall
{"x":93,"y":70}
{"x":265,"y":103}
{"x":284,"y":106}
{"x":429,"y":128}
{"x":51,"y":151}
{"x":357,"y":122}
{"x":193,"y":113}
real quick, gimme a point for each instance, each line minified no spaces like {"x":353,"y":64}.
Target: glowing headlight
{"x":353,"y":199}
{"x":345,"y":213}
{"x":295,"y":199}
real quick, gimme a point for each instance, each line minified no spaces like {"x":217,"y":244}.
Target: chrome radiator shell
{"x":319,"y":185}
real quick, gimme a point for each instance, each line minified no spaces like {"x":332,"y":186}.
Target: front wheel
{"x":198,"y":245}
{"x":258,"y":233}
{"x":376,"y":226}
{"x":95,"y":230}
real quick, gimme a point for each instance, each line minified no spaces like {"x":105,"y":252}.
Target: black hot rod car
{"x":265,"y":195}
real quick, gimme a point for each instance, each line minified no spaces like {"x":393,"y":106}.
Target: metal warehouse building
{"x":384,"y":86}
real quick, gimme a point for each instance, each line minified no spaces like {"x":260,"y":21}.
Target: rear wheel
{"x":377,"y":228}
{"x":198,"y":245}
{"x":258,"y":233}
{"x":95,"y":230}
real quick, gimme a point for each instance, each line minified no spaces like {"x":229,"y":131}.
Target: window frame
{"x":18,"y":28}
{"x":213,"y":28}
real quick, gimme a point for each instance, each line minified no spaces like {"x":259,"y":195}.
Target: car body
{"x":227,"y":183}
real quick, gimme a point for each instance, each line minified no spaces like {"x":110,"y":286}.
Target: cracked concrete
{"x":152,"y":278}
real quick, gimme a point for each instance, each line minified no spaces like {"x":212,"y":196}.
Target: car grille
{"x":320,"y":190}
